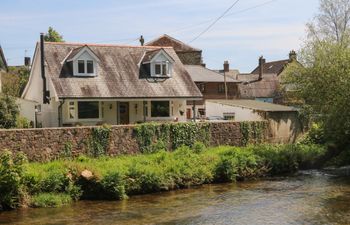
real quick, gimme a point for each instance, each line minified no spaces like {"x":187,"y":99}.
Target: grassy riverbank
{"x":112,"y":178}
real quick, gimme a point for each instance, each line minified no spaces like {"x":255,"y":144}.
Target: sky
{"x":250,"y":29}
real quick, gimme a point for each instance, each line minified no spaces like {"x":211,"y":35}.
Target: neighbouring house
{"x":228,"y":71}
{"x":187,"y":54}
{"x":260,"y":86}
{"x":211,"y":83}
{"x":276,"y":67}
{"x":284,"y":123}
{"x":93,"y":84}
{"x":3,"y":65}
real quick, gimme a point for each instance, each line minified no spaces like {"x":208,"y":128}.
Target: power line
{"x":214,"y":22}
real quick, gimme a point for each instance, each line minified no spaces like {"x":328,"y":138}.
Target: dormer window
{"x":159,"y":62}
{"x":162,"y":69}
{"x":84,"y":62}
{"x":85,"y":67}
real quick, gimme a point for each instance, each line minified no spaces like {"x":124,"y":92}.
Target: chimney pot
{"x":226,"y":66}
{"x":292,"y":56}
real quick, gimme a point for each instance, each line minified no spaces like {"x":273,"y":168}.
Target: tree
{"x":53,"y":36}
{"x":332,"y":23}
{"x":8,"y":112}
{"x":322,"y":82}
{"x":14,"y":82}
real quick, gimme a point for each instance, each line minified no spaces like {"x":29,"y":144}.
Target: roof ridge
{"x":277,"y":61}
{"x":107,"y":45}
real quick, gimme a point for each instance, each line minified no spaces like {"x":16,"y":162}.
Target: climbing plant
{"x":152,"y":136}
{"x":99,"y":140}
{"x":252,"y":132}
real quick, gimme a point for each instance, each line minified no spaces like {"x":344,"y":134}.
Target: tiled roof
{"x":266,"y":88}
{"x":179,"y":46}
{"x":255,"y":105}
{"x":273,"y":67}
{"x":202,"y":74}
{"x":119,"y":74}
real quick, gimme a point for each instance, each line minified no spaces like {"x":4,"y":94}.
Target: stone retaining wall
{"x":49,"y":143}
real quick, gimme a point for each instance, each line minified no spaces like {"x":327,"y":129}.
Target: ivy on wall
{"x":99,"y":140}
{"x":152,"y":136}
{"x":253,"y":132}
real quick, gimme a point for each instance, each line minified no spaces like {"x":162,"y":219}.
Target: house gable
{"x":187,"y":54}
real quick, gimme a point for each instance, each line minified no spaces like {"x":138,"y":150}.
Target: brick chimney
{"x":292,"y":56}
{"x":262,"y":62}
{"x":226,"y":66}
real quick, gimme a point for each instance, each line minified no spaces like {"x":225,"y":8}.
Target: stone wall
{"x":49,"y":143}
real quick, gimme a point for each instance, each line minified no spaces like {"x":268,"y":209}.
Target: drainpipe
{"x":194,"y":111}
{"x":46,"y":93}
{"x":144,"y":111}
{"x":60,"y":113}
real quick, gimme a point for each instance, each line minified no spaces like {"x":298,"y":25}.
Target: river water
{"x":309,"y":198}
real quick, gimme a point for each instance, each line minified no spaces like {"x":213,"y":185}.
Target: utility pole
{"x":226,"y":69}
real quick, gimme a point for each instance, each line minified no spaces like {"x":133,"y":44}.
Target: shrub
{"x":12,"y":187}
{"x":113,"y":185}
{"x":22,"y":122}
{"x":50,"y":200}
{"x":198,"y":147}
{"x":8,"y":112}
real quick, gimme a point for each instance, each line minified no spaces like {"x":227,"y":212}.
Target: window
{"x":85,"y":67}
{"x":81,"y":66}
{"x":88,"y":110}
{"x":161,"y":69}
{"x":201,"y":87}
{"x":71,"y":110}
{"x":158,"y":69}
{"x":221,"y":88}
{"x":164,"y":70}
{"x":90,"y":66}
{"x":160,"y":109}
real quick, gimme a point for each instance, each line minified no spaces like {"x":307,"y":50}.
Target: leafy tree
{"x":322,"y":82}
{"x":14,"y":82}
{"x":332,"y":23}
{"x":8,"y":112}
{"x":53,"y":36}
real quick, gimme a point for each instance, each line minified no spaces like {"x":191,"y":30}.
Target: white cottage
{"x":91,"y":84}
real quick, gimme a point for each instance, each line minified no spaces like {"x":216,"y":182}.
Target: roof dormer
{"x":85,"y":62}
{"x":160,"y":63}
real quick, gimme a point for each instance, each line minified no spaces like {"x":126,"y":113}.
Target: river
{"x":312,"y":197}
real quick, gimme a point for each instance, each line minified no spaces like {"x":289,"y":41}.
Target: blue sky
{"x":241,"y":37}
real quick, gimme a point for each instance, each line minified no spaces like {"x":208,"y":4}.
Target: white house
{"x":91,"y":84}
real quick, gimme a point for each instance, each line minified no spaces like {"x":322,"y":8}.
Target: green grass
{"x":50,"y":200}
{"x":117,"y":178}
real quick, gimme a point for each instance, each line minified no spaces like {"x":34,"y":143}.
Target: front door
{"x":188,"y":114}
{"x":123,"y":112}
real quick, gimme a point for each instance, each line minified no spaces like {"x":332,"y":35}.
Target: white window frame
{"x":76,"y":111}
{"x":161,"y":64}
{"x":76,"y":64}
